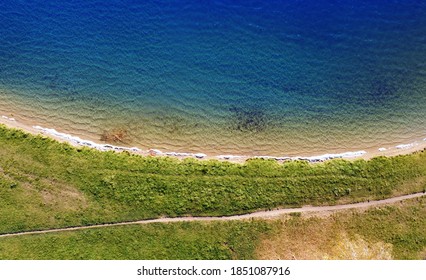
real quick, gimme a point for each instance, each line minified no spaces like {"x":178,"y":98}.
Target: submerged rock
{"x":200,"y":155}
{"x":248,"y":119}
{"x":118,"y":135}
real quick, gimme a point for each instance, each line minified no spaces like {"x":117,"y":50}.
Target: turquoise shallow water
{"x":241,"y":77}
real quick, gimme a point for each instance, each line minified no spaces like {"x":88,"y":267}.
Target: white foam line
{"x":7,"y":118}
{"x":332,"y":156}
{"x":227,"y":157}
{"x":157,"y":152}
{"x":87,"y":143}
{"x":406,"y":146}
{"x":310,"y":159}
{"x":107,"y":147}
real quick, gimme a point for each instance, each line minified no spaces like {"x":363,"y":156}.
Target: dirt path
{"x":259,"y":214}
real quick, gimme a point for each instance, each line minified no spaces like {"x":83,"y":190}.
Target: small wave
{"x":7,"y":118}
{"x":325,"y":157}
{"x":230,"y":157}
{"x":406,"y":146}
{"x":319,"y":158}
{"x":175,"y":154}
{"x":87,"y":143}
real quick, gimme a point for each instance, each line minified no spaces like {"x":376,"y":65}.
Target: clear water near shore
{"x":252,"y":78}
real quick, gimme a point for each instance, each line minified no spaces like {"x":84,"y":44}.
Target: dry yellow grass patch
{"x":66,"y":198}
{"x":298,"y":239}
{"x":317,"y":239}
{"x":57,"y":195}
{"x":356,"y":248}
{"x":422,"y":255}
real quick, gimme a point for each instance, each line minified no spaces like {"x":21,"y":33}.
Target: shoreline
{"x":400,"y":149}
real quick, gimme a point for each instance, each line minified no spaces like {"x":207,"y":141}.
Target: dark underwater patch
{"x":60,"y":87}
{"x":116,"y":135}
{"x":382,"y":91}
{"x":248,"y":119}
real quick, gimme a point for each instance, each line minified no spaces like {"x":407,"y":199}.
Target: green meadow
{"x":387,"y":232}
{"x":47,"y":184}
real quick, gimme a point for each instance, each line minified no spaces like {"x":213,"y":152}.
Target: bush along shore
{"x":46,"y":184}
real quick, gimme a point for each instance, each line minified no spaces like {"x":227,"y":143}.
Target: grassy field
{"x":194,"y":240}
{"x":46,"y":184}
{"x":389,"y":232}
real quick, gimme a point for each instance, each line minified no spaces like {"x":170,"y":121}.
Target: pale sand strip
{"x":406,"y":148}
{"x":255,"y":215}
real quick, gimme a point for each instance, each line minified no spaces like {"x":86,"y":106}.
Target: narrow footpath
{"x":258,"y":214}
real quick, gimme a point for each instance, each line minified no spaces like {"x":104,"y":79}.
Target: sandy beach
{"x":386,"y":150}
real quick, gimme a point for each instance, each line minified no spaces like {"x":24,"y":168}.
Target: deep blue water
{"x":262,"y":76}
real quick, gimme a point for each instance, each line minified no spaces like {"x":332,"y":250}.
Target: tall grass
{"x":391,"y":231}
{"x":44,"y":183}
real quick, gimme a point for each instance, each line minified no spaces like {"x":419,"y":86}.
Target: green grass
{"x":401,"y":227}
{"x":230,"y":240}
{"x":46,"y":184}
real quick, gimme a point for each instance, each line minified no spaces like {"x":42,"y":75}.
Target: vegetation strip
{"x":45,"y":184}
{"x":259,"y":214}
